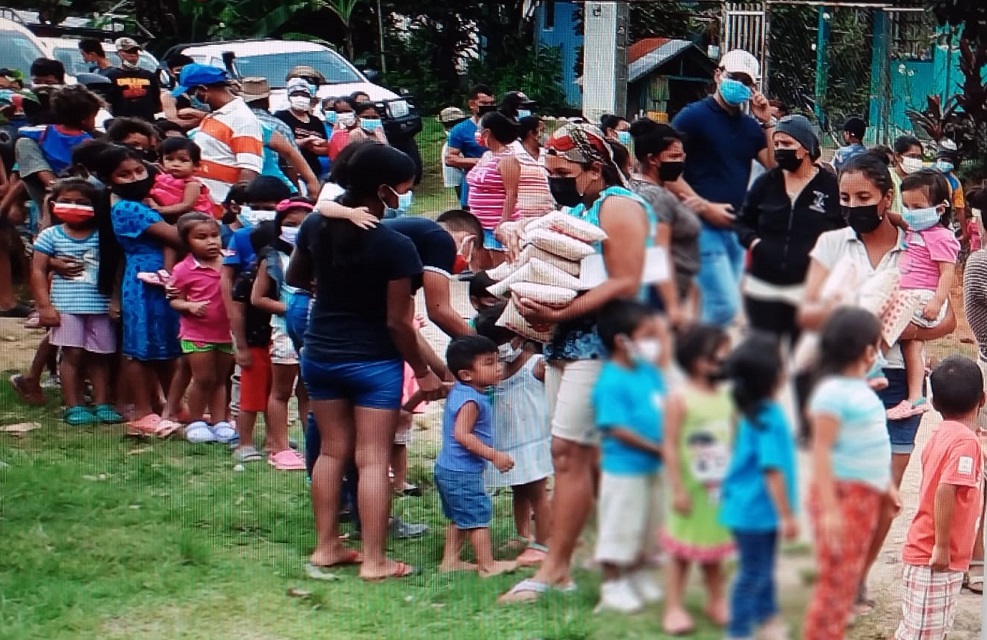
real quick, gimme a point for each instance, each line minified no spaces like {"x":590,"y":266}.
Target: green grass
{"x":102,"y":537}
{"x":431,"y":198}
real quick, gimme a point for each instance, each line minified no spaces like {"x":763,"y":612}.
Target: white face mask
{"x":347,"y":119}
{"x":300,"y":103}
{"x":648,"y":350}
{"x":250,"y":218}
{"x":508,"y":353}
{"x":911,"y":165}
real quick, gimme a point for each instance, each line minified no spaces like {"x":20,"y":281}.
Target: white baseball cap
{"x":740,"y":61}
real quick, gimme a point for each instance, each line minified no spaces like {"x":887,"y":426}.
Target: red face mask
{"x":460,"y":264}
{"x":71,"y":213}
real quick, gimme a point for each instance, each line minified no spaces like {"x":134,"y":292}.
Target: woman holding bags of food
{"x":582,"y":175}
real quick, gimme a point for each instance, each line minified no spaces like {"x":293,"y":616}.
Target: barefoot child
{"x":632,"y":404}
{"x":851,"y":467}
{"x":941,"y":537}
{"x":77,"y":308}
{"x":467,"y":445}
{"x":697,"y":453}
{"x":521,"y":430}
{"x":204,"y":328}
{"x":927,"y":269}
{"x":760,"y":491}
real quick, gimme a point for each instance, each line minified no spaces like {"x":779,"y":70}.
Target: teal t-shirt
{"x":632,"y":399}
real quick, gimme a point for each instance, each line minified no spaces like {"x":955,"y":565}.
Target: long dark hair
{"x":754,"y":368}
{"x":360,"y":169}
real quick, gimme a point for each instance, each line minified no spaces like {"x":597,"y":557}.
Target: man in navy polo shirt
{"x":724,"y":134}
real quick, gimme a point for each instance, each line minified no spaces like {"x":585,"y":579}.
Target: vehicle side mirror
{"x":372,"y":75}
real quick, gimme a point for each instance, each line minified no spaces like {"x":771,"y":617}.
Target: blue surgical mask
{"x":624,"y":137}
{"x":944,"y":166}
{"x":921,"y":219}
{"x":370,"y":124}
{"x":734,"y":92}
{"x":331,"y":117}
{"x":250,"y":218}
{"x":404,"y":205}
{"x":523,"y":113}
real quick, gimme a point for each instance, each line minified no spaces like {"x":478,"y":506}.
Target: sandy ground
{"x":17,"y":348}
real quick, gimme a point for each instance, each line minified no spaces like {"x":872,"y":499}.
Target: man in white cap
{"x":136,"y":92}
{"x":725,"y":133}
{"x":310,"y":132}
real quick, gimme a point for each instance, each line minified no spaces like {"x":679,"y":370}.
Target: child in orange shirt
{"x":942,"y":535}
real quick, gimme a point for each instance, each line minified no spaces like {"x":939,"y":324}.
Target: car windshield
{"x":71,"y":57}
{"x":18,"y":52}
{"x":275,"y":66}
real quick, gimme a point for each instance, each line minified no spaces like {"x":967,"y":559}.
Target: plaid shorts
{"x":928,"y":603}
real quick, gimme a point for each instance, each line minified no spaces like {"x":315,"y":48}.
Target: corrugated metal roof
{"x":643,"y":47}
{"x":644,"y":65}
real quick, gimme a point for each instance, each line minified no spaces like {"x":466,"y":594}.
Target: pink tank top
{"x":169,"y":190}
{"x":486,"y":190}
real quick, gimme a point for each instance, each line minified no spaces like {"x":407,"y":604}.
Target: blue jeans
{"x":753,"y":600}
{"x":721,"y":267}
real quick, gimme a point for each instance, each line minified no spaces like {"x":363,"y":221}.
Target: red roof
{"x":643,"y":47}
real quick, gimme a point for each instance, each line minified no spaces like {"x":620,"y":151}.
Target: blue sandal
{"x":79,"y":416}
{"x":106,"y":414}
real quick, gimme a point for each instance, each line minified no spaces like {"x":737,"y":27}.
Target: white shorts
{"x":569,"y":386}
{"x":928,"y":603}
{"x":924,"y":296}
{"x":628,"y":517}
{"x":282,"y":348}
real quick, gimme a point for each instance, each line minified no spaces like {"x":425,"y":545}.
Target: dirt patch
{"x":17,"y":344}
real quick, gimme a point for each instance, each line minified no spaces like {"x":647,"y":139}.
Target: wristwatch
{"x":770,"y":124}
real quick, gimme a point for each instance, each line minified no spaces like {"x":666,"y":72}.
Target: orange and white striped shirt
{"x":231,"y":140}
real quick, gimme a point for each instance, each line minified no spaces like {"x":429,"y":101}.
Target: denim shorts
{"x":296,"y":318}
{"x":373,"y":385}
{"x":902,"y":432}
{"x":465,"y":502}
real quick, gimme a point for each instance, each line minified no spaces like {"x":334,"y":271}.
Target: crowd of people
{"x":203,"y":261}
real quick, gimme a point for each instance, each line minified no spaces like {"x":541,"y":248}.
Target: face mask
{"x":347,"y":119}
{"x":921,"y":219}
{"x":734,"y":92}
{"x":289,"y":234}
{"x":787,"y":159}
{"x":862,"y":219}
{"x":300,"y":103}
{"x":463,"y":256}
{"x":647,"y":350}
{"x":370,"y":124}
{"x":130,"y":65}
{"x":911,"y":165}
{"x":484,"y":109}
{"x":331,"y":117}
{"x":250,"y":218}
{"x":944,"y":166}
{"x":523,"y":113}
{"x":508,"y":353}
{"x":564,"y":191}
{"x":135,"y":191}
{"x":71,"y":213}
{"x":624,"y":137}
{"x":670,"y":171}
{"x":404,"y":203}
{"x":877,"y":369}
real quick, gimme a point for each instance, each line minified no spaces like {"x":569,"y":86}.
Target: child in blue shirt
{"x":760,"y":489}
{"x":631,"y":402}
{"x":467,"y":445}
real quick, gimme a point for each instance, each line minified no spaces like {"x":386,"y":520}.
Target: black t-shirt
{"x":314,"y":127}
{"x":348,"y":322}
{"x":436,"y":248}
{"x":135,"y":93}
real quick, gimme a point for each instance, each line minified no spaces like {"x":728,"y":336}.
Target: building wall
{"x":554,"y":28}
{"x":912,"y":81}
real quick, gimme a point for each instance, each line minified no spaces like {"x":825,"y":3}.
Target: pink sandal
{"x":906,"y":409}
{"x":152,"y":426}
{"x":287,"y":460}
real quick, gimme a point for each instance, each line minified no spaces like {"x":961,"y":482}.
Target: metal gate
{"x":745,"y":26}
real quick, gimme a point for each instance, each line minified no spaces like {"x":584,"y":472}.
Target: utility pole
{"x":605,"y":35}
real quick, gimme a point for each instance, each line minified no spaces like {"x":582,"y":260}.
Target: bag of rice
{"x":559,"y":244}
{"x":501,"y":271}
{"x":501,"y":288}
{"x":512,"y":320}
{"x":532,"y":252}
{"x":568,"y":225}
{"x":543,"y":293}
{"x":545,"y":273}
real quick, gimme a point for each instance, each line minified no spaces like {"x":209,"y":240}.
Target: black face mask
{"x":862,"y":219}
{"x":670,"y":171}
{"x":135,"y":191}
{"x":564,"y":191}
{"x":484,"y":109}
{"x":787,"y":159}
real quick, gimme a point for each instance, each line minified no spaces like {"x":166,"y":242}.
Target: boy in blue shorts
{"x":467,"y":445}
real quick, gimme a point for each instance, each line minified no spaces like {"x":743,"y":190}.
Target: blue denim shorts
{"x":902,"y":432}
{"x":296,"y":318}
{"x":373,"y":385}
{"x":465,"y":502}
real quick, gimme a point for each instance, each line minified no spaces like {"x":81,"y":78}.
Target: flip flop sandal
{"x":25,"y":392}
{"x":901,"y":411}
{"x":350,"y":558}
{"x":287,"y":460}
{"x":167,"y":427}
{"x":248,"y":454}
{"x":401,"y":570}
{"x":79,"y":417}
{"x":106,"y":414}
{"x":532,"y":586}
{"x":974,"y":583}
{"x":146,"y":427}
{"x":225,"y":433}
{"x":199,"y":433}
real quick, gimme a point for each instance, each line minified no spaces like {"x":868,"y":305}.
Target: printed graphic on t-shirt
{"x":709,"y":458}
{"x":819,"y":201}
{"x":965,"y":466}
{"x":133,"y":88}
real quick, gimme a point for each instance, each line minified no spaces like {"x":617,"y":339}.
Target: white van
{"x":20,"y":48}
